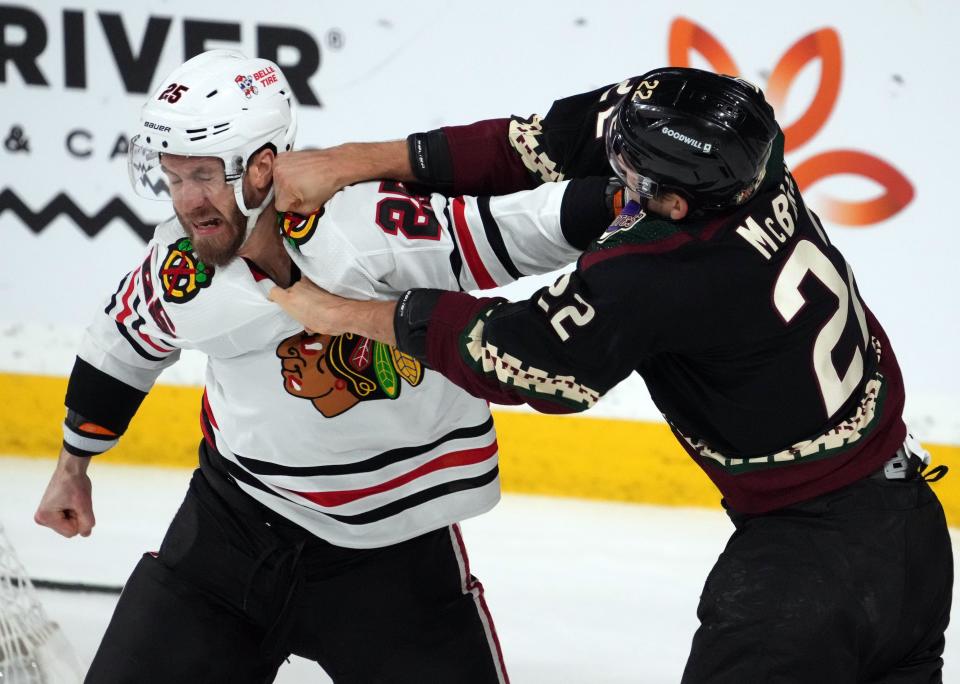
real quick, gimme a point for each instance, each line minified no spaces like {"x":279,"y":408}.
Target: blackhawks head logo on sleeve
{"x":183,"y":274}
{"x":297,"y":229}
{"x":337,"y":373}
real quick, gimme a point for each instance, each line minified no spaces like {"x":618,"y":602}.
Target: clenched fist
{"x":67,"y":506}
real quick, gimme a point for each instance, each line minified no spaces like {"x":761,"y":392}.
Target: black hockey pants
{"x":853,"y":586}
{"x":236,"y":588}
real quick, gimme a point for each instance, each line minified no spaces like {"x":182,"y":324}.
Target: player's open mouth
{"x":211,"y":225}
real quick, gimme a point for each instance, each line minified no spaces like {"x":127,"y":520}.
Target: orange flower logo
{"x":823,"y":44}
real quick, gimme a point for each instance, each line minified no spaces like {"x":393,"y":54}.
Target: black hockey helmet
{"x":705,"y":136}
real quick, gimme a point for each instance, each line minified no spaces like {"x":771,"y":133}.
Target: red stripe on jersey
{"x":149,"y":340}
{"x":128,"y":310}
{"x":257,"y":272}
{"x":666,"y":245}
{"x":207,"y":435}
{"x":207,"y":410}
{"x":708,"y":231}
{"x":467,"y":247}
{"x":125,"y":299}
{"x":450,"y":460}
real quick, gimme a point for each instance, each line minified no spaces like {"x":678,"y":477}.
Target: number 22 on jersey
{"x":578,"y":311}
{"x":788,"y":300}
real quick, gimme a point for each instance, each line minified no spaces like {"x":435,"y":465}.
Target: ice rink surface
{"x":582,"y":592}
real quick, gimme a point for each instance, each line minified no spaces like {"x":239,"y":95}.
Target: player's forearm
{"x":373,"y":320}
{"x":474,"y":159}
{"x":430,"y":325}
{"x":323,"y":312}
{"x":370,"y":161}
{"x":443,"y":329}
{"x":71,"y":465}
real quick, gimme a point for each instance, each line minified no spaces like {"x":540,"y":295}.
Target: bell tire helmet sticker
{"x":266,"y":77}
{"x":183,"y":274}
{"x":245,"y":83}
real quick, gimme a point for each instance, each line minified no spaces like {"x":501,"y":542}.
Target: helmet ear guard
{"x":706,"y":136}
{"x":236,"y":181}
{"x":217,"y":104}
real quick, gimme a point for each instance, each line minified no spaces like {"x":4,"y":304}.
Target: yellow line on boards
{"x":579,"y":456}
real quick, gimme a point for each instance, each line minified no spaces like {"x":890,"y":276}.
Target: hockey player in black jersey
{"x":749,"y":330}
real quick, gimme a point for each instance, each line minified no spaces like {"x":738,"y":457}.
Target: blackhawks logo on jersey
{"x":297,"y":229}
{"x":183,"y":274}
{"x":338,"y":372}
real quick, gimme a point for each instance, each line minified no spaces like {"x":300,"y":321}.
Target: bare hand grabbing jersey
{"x":347,"y":437}
{"x":747,"y":326}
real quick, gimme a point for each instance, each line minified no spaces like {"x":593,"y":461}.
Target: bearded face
{"x":215,"y":238}
{"x":206,"y":207}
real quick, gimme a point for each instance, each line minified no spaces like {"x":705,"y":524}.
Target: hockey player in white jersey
{"x":333,"y":470}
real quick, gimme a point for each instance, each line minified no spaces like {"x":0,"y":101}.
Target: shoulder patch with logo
{"x":182,"y":273}
{"x":640,"y":234}
{"x":629,"y":216}
{"x":296,"y":228}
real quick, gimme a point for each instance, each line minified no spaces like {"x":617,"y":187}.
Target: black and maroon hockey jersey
{"x":747,"y":326}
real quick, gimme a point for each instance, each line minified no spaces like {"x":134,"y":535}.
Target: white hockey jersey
{"x":345,"y":436}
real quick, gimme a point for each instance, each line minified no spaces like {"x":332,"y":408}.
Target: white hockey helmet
{"x":217,"y":104}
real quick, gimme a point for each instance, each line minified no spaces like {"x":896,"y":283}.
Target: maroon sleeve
{"x":483,"y":159}
{"x":450,"y":318}
{"x":484,"y":162}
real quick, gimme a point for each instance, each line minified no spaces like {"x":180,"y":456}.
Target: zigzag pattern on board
{"x":63,"y":204}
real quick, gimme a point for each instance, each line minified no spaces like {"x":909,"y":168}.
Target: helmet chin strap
{"x":252,"y":214}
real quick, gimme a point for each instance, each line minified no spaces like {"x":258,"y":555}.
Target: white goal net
{"x":32,"y":648}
